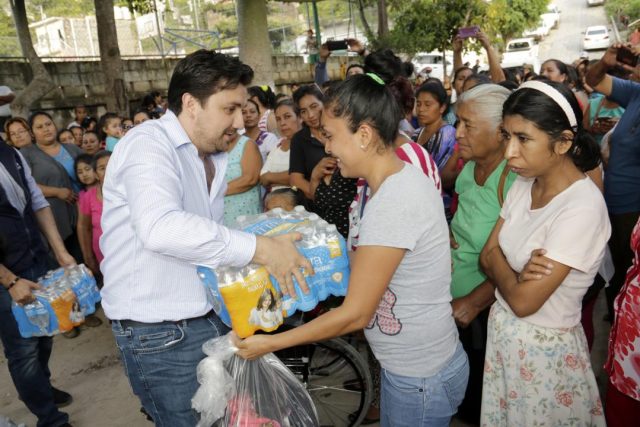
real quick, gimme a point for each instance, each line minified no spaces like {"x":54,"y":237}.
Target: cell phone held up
{"x":466,"y":32}
{"x":627,"y":57}
{"x":337,"y":44}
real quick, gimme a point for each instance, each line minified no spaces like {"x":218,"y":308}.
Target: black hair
{"x":264,"y":94}
{"x":86,"y":122}
{"x":37,"y":114}
{"x":355,"y":65}
{"x":408,"y":69}
{"x":385,"y":64}
{"x":141,"y":111}
{"x":99,"y":155}
{"x":549,"y":117}
{"x":573,"y":80}
{"x":436,"y":89}
{"x":294,"y":195}
{"x":204,"y":73}
{"x":255,"y":104}
{"x":509,"y":85}
{"x":479,"y":79}
{"x":103,"y":122}
{"x":83,"y":158}
{"x":561,"y":66}
{"x":402,"y":91}
{"x":360,"y":99}
{"x":61,"y":131}
{"x":75,"y":127}
{"x":280,"y":96}
{"x":307,"y":90}
{"x":288,"y":102}
{"x":461,"y":69}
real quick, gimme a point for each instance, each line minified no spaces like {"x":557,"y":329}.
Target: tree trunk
{"x":41,"y":83}
{"x":114,"y":86}
{"x":363,"y":18}
{"x":253,"y":39}
{"x":383,"y":20}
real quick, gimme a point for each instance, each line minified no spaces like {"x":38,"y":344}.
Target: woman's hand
{"x":457,"y":44}
{"x":67,"y":195}
{"x":65,"y":259}
{"x":325,"y":167}
{"x":254,"y":346}
{"x":483,"y":39}
{"x":536,"y":268}
{"x":452,"y":241}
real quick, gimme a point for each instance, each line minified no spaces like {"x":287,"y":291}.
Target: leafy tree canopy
{"x":629,"y":8}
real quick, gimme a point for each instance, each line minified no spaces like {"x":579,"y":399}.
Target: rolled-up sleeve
{"x":38,"y":200}
{"x":154,"y":190}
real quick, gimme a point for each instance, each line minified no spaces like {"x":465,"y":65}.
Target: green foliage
{"x":57,"y":8}
{"x":629,"y":8}
{"x":507,"y":19}
{"x":426,"y":25}
{"x":138,"y":6}
{"x":9,"y":45}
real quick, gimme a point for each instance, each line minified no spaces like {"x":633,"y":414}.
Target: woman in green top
{"x":481,"y":187}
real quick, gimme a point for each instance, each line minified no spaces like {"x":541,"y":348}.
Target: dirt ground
{"x":88,"y":367}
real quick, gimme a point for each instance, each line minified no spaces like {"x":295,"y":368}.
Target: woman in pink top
{"x":89,"y":214}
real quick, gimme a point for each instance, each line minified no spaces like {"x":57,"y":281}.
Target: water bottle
{"x":38,"y":316}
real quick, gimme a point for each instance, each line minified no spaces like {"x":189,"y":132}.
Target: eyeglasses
{"x":18,"y":133}
{"x":127,"y":127}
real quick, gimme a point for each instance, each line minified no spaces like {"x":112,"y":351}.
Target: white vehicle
{"x":596,"y":37}
{"x":595,"y":2}
{"x":550,"y":20}
{"x":540,"y":32}
{"x":431,"y":64}
{"x":520,"y":52}
{"x":554,"y":11}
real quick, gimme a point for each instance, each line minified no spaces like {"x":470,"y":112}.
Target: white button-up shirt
{"x":159,"y":222}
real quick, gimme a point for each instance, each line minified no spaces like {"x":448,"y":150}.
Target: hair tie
{"x":264,"y":88}
{"x":557,"y":97}
{"x":376,"y":78}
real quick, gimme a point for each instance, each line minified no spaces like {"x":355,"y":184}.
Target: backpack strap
{"x":503,"y":179}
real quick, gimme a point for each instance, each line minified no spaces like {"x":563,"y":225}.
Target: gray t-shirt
{"x":412,"y":332}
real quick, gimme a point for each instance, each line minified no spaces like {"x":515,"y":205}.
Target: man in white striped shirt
{"x":163,"y":206}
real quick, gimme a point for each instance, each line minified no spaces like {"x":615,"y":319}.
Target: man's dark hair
{"x":204,"y":73}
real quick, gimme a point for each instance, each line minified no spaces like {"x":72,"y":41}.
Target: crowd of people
{"x":484,"y":214}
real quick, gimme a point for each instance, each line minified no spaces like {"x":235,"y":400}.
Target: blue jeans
{"x":28,"y":360}
{"x":424,"y":402}
{"x":160,"y":361}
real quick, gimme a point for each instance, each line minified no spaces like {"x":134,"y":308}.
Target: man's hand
{"x":609,"y":57}
{"x":464,"y":310}
{"x":537,"y":267}
{"x":282,"y":260}
{"x":325,"y":167}
{"x":21,"y":292}
{"x":67,"y":195}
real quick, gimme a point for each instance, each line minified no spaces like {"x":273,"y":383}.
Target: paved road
{"x":565,"y":42}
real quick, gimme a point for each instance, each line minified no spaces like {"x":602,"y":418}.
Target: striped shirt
{"x":411,"y":153}
{"x":159,"y":222}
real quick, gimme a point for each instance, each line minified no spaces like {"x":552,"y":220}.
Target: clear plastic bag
{"x":249,"y":393}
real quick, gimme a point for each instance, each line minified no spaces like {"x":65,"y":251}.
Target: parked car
{"x":595,"y":37}
{"x":520,"y":52}
{"x":431,"y":64}
{"x":554,"y":11}
{"x":595,"y":2}
{"x":540,"y":32}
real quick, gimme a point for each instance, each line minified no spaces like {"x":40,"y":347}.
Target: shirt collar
{"x":177,"y":135}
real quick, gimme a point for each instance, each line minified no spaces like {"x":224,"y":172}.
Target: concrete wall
{"x":82,"y":82}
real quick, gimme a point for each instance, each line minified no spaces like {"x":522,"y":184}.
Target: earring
{"x":362,"y":146}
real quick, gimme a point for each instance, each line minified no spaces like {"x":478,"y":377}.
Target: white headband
{"x":558,"y":98}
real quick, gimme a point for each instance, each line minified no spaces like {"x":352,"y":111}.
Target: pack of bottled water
{"x":249,"y":298}
{"x":68,"y":295}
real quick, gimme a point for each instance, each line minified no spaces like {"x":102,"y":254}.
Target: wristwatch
{"x":13,"y":282}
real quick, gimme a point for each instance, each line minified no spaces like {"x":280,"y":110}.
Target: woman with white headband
{"x":542,"y":256}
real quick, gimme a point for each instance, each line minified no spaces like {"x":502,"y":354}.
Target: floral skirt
{"x":537,"y":376}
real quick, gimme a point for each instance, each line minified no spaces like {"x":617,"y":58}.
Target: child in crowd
{"x":285,"y":198}
{"x":89,"y":214}
{"x":85,"y":173}
{"x":77,"y":132}
{"x":65,"y":137}
{"x":127,"y":124}
{"x":90,"y":143}
{"x":110,"y":128}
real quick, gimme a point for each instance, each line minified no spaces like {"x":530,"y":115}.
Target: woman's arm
{"x":586,"y":120}
{"x":251,"y":163}
{"x":274,"y":178}
{"x":325,"y":167}
{"x":84,"y":228}
{"x":524,"y":297}
{"x":371,"y":271}
{"x":298,"y":180}
{"x":61,"y":193}
{"x":450,"y":171}
{"x":495,"y":70}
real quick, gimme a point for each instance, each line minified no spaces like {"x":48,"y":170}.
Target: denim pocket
{"x":455,"y":377}
{"x":154,"y":340}
{"x":403,"y":384}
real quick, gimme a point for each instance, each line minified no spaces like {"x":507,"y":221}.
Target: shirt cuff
{"x":241,"y":248}
{"x":40,"y":203}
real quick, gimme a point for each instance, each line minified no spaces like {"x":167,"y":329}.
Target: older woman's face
{"x":476,"y":135}
{"x":19,"y":135}
{"x":551,"y":71}
{"x":44,"y":130}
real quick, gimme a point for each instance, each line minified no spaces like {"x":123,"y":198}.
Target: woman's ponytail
{"x":585,"y":151}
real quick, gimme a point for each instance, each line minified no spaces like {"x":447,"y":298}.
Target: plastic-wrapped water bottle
{"x":38,"y":316}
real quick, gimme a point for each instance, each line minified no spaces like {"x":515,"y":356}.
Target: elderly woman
{"x":481,"y":188}
{"x":52,"y":166}
{"x":18,"y":132}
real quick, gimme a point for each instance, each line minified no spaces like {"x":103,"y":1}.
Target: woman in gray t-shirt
{"x":399,"y":290}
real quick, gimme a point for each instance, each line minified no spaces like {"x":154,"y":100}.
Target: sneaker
{"x":61,"y":398}
{"x":92,"y":321}
{"x":72,"y":333}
